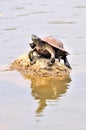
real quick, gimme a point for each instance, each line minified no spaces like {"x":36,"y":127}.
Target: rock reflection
{"x":44,"y":89}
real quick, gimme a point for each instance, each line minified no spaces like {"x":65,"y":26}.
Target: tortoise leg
{"x":66,"y":62}
{"x":52,"y":52}
{"x":59,"y":58}
{"x":51,"y":62}
{"x":30,"y":55}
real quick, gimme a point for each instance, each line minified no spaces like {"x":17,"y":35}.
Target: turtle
{"x":48,"y":47}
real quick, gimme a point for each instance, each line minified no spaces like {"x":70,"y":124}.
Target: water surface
{"x":42,"y":103}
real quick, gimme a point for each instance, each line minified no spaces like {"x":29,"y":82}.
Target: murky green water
{"x":45,"y":103}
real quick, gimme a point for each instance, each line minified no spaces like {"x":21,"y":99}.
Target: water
{"x":42,"y":103}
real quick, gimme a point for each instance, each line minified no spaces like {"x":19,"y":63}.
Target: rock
{"x":40,"y":68}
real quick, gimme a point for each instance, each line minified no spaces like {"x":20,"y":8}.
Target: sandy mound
{"x":40,"y":68}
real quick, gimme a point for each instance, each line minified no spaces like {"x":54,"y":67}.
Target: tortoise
{"x":48,"y":47}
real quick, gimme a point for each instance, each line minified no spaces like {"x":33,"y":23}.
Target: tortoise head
{"x":36,"y":40}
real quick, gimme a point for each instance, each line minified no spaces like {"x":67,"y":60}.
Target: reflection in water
{"x":44,"y":89}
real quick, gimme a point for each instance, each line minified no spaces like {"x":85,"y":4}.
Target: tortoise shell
{"x":54,"y":43}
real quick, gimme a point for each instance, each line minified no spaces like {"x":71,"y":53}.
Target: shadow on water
{"x":44,"y":89}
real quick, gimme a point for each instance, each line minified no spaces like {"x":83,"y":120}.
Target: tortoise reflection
{"x":44,"y":89}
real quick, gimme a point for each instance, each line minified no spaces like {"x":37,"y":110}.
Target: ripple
{"x":1,"y":33}
{"x":20,"y":15}
{"x":43,"y":4}
{"x":61,"y":22}
{"x":20,"y":8}
{"x":80,"y":6}
{"x":6,"y":17}
{"x":8,"y":29}
{"x":79,"y":37}
{"x":38,"y":12}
